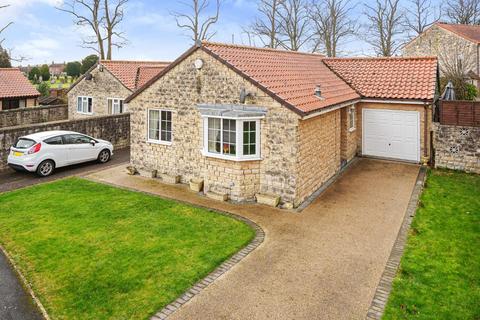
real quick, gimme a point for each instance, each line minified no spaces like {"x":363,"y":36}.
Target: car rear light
{"x":35,"y":148}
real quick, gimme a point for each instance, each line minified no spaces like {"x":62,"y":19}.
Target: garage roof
{"x":389,"y":78}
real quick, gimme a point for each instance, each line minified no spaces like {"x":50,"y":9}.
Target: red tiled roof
{"x":128,"y":71}
{"x":290,"y":76}
{"x":469,"y":32}
{"x":389,"y":78}
{"x":14,"y":84}
{"x":145,"y":73}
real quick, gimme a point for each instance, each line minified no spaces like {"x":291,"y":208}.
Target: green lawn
{"x":93,"y":251}
{"x":65,"y":85}
{"x":439,"y":276}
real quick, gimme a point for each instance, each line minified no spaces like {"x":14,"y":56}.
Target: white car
{"x":42,"y":152}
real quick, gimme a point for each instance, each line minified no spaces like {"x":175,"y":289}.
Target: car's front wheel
{"x":104,"y":156}
{"x":45,"y":168}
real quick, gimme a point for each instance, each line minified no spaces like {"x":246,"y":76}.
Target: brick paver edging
{"x":384,"y":287}
{"x":215,"y":274}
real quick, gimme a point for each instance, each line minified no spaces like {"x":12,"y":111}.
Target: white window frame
{"x":238,"y":139}
{"x":352,"y":118}
{"x":115,"y":101}
{"x":82,"y":110}
{"x":159,"y":141}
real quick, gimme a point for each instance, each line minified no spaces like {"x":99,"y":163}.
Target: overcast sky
{"x":44,"y":34}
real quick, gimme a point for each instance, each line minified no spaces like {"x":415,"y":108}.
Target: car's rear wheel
{"x":104,"y":156}
{"x":45,"y":168}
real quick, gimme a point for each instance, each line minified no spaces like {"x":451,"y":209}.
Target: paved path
{"x":323,"y":263}
{"x":11,"y":180}
{"x":15,"y":303}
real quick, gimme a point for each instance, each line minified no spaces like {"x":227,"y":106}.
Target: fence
{"x":460,"y":113}
{"x":32,"y":115}
{"x":113,"y":128}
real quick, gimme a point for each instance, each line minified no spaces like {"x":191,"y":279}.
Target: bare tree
{"x":102,"y":20}
{"x":385,"y":26}
{"x":113,"y":18}
{"x":194,"y":22}
{"x":266,"y":25}
{"x":464,"y":11}
{"x":7,"y":25}
{"x":295,"y":27}
{"x":333,"y":23}
{"x":456,"y":60}
{"x":421,"y":15}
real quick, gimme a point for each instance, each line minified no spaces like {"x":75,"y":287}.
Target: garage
{"x":391,"y":134}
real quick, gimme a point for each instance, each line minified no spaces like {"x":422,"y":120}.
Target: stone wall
{"x":113,"y":128}
{"x":103,"y":86}
{"x":424,"y":143}
{"x":319,"y":152}
{"x":180,"y":90}
{"x":24,"y":116}
{"x":457,"y":147}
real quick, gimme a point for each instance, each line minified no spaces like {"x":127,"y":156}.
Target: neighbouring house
{"x":452,"y":43}
{"x":56,"y":69}
{"x":15,"y":90}
{"x":102,"y":90}
{"x":251,"y":122}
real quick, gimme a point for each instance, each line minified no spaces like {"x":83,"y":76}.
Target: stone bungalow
{"x":15,"y":90}
{"x":251,"y":122}
{"x":449,"y":42}
{"x":102,"y":90}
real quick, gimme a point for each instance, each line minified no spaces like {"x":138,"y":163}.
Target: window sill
{"x":85,"y":113}
{"x":230,"y":158}
{"x":165,"y":143}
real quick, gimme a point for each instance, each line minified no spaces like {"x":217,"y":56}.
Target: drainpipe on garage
{"x":425,"y":135}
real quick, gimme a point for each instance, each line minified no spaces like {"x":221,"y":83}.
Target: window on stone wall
{"x":115,"y":106}
{"x":160,"y":126}
{"x":84,"y":105}
{"x":234,"y":139}
{"x":351,"y":118}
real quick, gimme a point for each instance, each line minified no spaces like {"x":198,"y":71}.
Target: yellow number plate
{"x":17,"y":154}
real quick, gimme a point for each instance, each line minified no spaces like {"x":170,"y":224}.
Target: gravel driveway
{"x":322,"y":263}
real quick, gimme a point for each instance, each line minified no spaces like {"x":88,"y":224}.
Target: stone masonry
{"x":349,"y":137}
{"x":319,"y":156}
{"x":103,"y":86}
{"x":457,"y":147}
{"x":180,"y":90}
{"x":24,"y":116}
{"x":437,"y":41}
{"x":297,"y":156}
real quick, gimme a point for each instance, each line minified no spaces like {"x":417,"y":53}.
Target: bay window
{"x":236,"y":139}
{"x":231,"y":132}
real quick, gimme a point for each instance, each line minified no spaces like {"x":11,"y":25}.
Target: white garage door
{"x":391,"y":134}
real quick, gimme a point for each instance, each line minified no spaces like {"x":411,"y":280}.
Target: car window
{"x":24,"y":143}
{"x":54,"y":140}
{"x":76,"y":139}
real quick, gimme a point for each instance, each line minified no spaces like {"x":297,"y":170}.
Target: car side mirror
{"x":92,"y":142}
